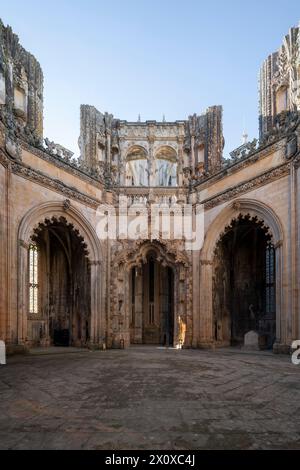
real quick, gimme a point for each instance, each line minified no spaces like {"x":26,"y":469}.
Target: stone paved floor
{"x":150,"y":398}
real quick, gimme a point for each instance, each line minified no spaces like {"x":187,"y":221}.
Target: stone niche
{"x":281,"y":99}
{"x":20,"y":102}
{"x":2,"y":89}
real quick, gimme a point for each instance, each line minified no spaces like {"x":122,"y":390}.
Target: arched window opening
{"x":137,"y":173}
{"x":270,"y":280}
{"x":166,"y":167}
{"x":33,"y":280}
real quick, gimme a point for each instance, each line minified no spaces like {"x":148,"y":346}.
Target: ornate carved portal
{"x":152,"y":303}
{"x":150,"y":296}
{"x":244,"y":283}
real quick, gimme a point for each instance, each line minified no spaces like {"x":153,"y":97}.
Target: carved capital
{"x":206,"y":262}
{"x":151,"y":139}
{"x":66,"y":204}
{"x":278,"y":244}
{"x":95,"y":263}
{"x":24,"y":244}
{"x":236,"y":206}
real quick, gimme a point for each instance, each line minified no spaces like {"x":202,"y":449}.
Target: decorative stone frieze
{"x":247,"y":186}
{"x":44,"y":180}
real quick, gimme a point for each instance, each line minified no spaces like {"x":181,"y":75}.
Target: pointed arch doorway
{"x":64,"y":243}
{"x":152,"y":303}
{"x":244,"y":280}
{"x":59,"y":286}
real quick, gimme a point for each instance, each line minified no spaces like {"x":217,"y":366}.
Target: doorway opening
{"x":59,"y":286}
{"x":244,"y":296}
{"x":152,"y":303}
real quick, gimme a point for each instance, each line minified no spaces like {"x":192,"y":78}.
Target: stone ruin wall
{"x":280,"y":80}
{"x":21,"y":87}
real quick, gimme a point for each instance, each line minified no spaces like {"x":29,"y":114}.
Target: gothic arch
{"x":232,"y":211}
{"x":136,"y":256}
{"x":29,"y":224}
{"x":49,"y":210}
{"x":244,"y":207}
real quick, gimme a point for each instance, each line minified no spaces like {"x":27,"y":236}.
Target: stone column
{"x":206,"y":305}
{"x":297,"y":274}
{"x":8,"y":257}
{"x":122,"y":162}
{"x":151,"y":161}
{"x":151,"y":139}
{"x":180,"y":162}
{"x":98,"y":324}
{"x":177,"y":307}
{"x":293,"y":255}
{"x":138,"y":320}
{"x":23,"y":292}
{"x":279,"y":295}
{"x":3,"y":252}
{"x":196,"y":298}
{"x":125,"y":334}
{"x":186,"y":287}
{"x":108,"y":147}
{"x":120,"y":314}
{"x":193,"y":153}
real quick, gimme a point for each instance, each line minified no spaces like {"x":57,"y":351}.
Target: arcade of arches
{"x":62,"y":284}
{"x":152,"y":297}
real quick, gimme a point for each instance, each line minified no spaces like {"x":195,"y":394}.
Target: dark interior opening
{"x":64,"y":284}
{"x":152,"y":303}
{"x":244,"y":283}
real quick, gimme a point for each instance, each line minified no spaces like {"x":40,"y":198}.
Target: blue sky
{"x":150,"y":57}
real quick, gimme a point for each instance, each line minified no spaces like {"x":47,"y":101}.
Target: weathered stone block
{"x":251,"y":340}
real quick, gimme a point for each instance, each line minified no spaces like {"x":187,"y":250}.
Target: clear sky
{"x":154,"y":57}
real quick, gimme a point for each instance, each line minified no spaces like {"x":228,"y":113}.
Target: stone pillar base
{"x":279,"y":348}
{"x":45,"y":342}
{"x":96,"y":346}
{"x":12,"y":349}
{"x":188,"y":342}
{"x":206,"y":344}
